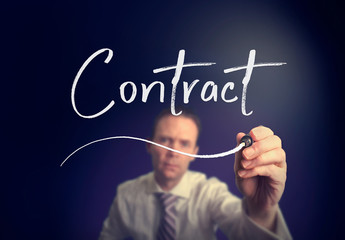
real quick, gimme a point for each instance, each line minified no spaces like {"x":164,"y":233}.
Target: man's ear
{"x":148,"y":145}
{"x":196,"y":150}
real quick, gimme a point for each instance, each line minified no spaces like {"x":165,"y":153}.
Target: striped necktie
{"x":167,"y":227}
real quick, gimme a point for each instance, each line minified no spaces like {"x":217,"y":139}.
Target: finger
{"x":260,"y":133}
{"x":272,"y":171}
{"x":239,"y":136}
{"x":276,"y":156}
{"x":260,"y":147}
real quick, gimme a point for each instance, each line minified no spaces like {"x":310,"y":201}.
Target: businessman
{"x":173,"y":202}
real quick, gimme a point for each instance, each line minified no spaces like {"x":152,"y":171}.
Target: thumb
{"x":238,"y":155}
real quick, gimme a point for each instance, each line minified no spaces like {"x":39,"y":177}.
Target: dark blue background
{"x":44,"y":43}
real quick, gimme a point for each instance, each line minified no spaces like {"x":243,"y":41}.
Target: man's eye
{"x":185,"y":144}
{"x":163,"y":140}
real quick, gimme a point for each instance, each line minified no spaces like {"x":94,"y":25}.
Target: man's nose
{"x":174,"y":146}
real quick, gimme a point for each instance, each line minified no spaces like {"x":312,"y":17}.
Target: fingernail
{"x":246,"y":163}
{"x":242,"y":173}
{"x":249,"y":152}
{"x":255,"y":131}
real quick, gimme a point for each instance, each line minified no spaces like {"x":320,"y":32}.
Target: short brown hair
{"x":186,"y":112}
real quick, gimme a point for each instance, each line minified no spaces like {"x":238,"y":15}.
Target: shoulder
{"x":134,"y":186}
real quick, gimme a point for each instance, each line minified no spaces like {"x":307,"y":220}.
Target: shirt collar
{"x":182,"y":189}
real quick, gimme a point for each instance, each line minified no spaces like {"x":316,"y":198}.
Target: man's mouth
{"x":170,"y":165}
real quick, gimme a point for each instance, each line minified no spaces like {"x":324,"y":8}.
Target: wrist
{"x":264,"y":216}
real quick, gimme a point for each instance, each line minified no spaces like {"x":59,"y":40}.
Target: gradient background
{"x":44,"y":43}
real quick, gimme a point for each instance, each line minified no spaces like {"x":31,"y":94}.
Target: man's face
{"x":179,"y":133}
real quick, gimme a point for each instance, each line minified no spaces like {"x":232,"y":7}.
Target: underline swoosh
{"x":217,"y":155}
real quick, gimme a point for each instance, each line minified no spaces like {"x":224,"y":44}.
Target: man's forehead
{"x":181,"y":125}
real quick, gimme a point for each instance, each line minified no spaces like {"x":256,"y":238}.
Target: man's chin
{"x":171,"y":174}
